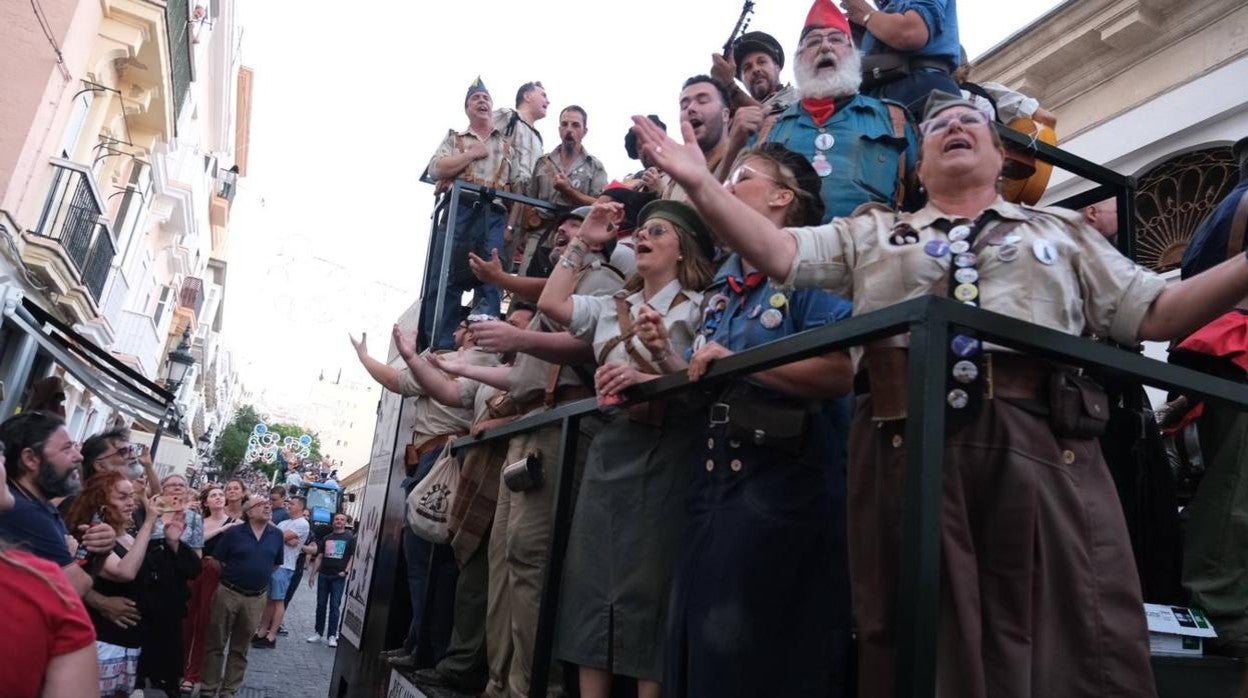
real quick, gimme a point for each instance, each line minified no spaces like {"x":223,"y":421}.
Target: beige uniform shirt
{"x":499,"y":168}
{"x":525,"y":141}
{"x":594,"y":320}
{"x":530,"y":376}
{"x":1087,"y":286}
{"x":586,"y":175}
{"x":432,"y":417}
{"x":475,"y":394}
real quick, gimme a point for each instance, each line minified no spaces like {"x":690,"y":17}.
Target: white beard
{"x":841,"y":83}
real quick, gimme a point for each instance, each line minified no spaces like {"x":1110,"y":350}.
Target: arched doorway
{"x":1173,"y":198}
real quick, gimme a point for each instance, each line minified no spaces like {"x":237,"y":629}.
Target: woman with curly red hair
{"x":113,"y":497}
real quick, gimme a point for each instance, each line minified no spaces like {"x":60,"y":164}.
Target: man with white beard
{"x":864,"y":149}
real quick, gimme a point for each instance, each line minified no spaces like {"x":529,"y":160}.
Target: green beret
{"x":684,"y":216}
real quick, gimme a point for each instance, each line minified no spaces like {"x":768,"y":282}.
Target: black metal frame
{"x":453,"y":195}
{"x":930,"y":321}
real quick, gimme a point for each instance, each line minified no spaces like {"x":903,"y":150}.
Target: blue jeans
{"x":329,"y":589}
{"x":428,"y":565}
{"x":479,"y":228}
{"x":913,"y":89}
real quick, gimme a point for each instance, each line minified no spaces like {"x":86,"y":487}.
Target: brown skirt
{"x":1039,"y":593}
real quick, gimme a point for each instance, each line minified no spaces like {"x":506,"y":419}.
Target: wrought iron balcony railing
{"x":73,"y":215}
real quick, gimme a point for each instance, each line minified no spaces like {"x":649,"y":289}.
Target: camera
{"x":524,"y":474}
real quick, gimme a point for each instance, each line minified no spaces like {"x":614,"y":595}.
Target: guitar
{"x":1026,"y":177}
{"x":743,"y":22}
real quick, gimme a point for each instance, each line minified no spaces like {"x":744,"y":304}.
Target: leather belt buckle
{"x":719,"y":413}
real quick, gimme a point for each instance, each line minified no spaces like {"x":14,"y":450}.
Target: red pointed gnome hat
{"x":825,"y":14}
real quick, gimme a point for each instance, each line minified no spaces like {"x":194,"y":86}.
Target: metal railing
{"x":930,"y":321}
{"x":73,"y":215}
{"x":439,"y":270}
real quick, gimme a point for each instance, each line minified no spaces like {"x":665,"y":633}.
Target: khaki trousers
{"x":233,"y":620}
{"x":1038,"y":591}
{"x":519,"y":551}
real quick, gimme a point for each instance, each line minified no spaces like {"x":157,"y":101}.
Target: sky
{"x":330,"y":227}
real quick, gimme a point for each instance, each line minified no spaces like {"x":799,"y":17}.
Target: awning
{"x":118,"y":385}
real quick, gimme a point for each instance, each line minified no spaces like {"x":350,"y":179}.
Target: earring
{"x":680,"y":258}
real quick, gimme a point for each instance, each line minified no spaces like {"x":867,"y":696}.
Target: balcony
{"x":191,"y":296}
{"x":138,"y":342}
{"x":71,"y":248}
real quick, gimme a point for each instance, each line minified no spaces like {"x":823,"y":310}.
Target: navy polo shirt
{"x":247,"y":562}
{"x":1207,"y":248}
{"x":36,"y":526}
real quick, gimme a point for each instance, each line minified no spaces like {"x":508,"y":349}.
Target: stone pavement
{"x":295,"y":668}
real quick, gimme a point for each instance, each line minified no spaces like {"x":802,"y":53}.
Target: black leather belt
{"x":240,"y":590}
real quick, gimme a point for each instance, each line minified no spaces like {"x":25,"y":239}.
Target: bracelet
{"x":867,"y":18}
{"x":567,"y":262}
{"x":577,"y":247}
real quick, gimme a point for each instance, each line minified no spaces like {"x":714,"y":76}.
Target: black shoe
{"x":263,"y":643}
{"x":281,"y":630}
{"x":433,"y":677}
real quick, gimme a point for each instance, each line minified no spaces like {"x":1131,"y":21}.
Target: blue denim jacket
{"x":941,"y":18}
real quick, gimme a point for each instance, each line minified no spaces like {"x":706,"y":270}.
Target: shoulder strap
{"x":900,"y":118}
{"x":1235,"y":241}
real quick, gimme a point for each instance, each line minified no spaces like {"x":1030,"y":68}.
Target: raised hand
{"x":487,"y":272}
{"x":406,"y":344}
{"x":599,"y":225}
{"x":361,"y":347}
{"x":723,"y":68}
{"x":651,"y":331}
{"x":684,"y":162}
{"x":454,"y":362}
{"x":746,"y":122}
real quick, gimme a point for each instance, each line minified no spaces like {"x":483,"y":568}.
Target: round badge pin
{"x":959,"y":232}
{"x":936,"y":248}
{"x":824,"y":141}
{"x":1008,"y":252}
{"x":770,"y":318}
{"x":1013,"y":238}
{"x":1044,"y":251}
{"x":777,"y":300}
{"x":966,"y":259}
{"x":966,"y":275}
{"x":821,"y":165}
{"x":959,"y":246}
{"x":699,"y":342}
{"x":966,"y":292}
{"x":957,"y":398}
{"x":964,"y":346}
{"x":965,"y":371}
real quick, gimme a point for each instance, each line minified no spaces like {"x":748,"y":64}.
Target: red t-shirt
{"x":38,"y":623}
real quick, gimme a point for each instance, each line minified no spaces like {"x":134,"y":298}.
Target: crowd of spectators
{"x":744,"y":541}
{"x":116,"y":580}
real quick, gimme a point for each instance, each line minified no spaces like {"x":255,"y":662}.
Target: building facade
{"x":122,"y":146}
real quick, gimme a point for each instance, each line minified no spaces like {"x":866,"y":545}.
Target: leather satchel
{"x":1078,"y":406}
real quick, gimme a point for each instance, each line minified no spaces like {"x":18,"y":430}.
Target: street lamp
{"x":180,"y":361}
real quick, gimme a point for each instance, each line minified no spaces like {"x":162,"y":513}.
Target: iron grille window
{"x":178,"y":23}
{"x":1174,"y":197}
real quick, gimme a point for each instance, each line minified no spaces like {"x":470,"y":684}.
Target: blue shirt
{"x":37,"y":527}
{"x":864,"y":154}
{"x":739,"y":327}
{"x":941,"y":18}
{"x":247,"y":562}
{"x":279,"y":515}
{"x":1207,"y":248}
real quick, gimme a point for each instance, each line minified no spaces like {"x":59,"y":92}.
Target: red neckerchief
{"x":752,"y":281}
{"x":820,"y":109}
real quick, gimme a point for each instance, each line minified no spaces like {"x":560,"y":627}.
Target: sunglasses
{"x":745,"y":173}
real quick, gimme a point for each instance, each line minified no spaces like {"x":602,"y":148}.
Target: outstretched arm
{"x":556,"y":347}
{"x":437,"y":385}
{"x":556,"y":298}
{"x":491,"y":272}
{"x":387,"y":376}
{"x":1182,"y":308}
{"x":496,"y":376}
{"x":748,"y":232}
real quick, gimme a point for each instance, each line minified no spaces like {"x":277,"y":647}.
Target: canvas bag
{"x":429,"y":504}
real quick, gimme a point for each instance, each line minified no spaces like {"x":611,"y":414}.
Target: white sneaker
{"x":333,"y":641}
{"x":314,"y":638}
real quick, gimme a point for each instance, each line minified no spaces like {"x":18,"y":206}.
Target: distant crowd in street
{"x":115,"y":579}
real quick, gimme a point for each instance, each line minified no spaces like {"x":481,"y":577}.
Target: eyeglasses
{"x":654,"y":230}
{"x":745,"y":173}
{"x":814,"y":41}
{"x":966,"y":118}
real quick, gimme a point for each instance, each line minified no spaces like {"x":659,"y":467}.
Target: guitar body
{"x":1026,"y":177}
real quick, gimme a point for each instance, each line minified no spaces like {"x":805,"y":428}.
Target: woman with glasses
{"x":1039,"y":591}
{"x":767,"y":494}
{"x":630,"y":509}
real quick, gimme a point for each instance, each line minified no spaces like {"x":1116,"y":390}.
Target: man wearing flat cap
{"x":1215,"y":545}
{"x":480,"y":154}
